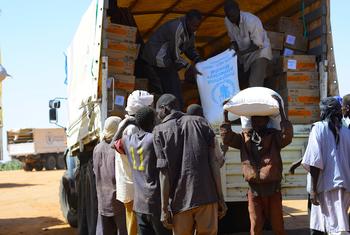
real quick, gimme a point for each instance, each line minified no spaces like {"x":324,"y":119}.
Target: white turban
{"x":110,"y":127}
{"x":138,"y":99}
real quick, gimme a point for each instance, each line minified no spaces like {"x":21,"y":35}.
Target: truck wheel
{"x":50,"y":163}
{"x":27,"y":167}
{"x":38,"y":167}
{"x":68,"y":213}
{"x":60,"y":163}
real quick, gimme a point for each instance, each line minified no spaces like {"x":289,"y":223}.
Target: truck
{"x":37,"y":148}
{"x":92,"y":82}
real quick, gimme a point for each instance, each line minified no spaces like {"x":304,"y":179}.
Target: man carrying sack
{"x":260,"y":149}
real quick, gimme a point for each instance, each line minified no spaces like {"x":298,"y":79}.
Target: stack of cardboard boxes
{"x":122,"y":51}
{"x":293,"y":31}
{"x":300,"y":89}
{"x":295,"y":72}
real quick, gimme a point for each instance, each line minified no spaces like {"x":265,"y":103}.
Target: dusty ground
{"x":29,"y":205}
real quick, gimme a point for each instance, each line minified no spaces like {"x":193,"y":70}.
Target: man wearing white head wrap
{"x":138,"y":99}
{"x":111,"y":212}
{"x":125,"y":188}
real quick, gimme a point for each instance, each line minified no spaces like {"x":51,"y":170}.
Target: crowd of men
{"x":171,"y":179}
{"x":158,"y":171}
{"x":170,"y":182}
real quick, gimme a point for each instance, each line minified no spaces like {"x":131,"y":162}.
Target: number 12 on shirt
{"x":141,"y":167}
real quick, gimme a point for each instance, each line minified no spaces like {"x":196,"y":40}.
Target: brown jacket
{"x":266,"y":165}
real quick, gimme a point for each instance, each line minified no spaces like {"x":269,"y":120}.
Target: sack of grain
{"x":255,"y":101}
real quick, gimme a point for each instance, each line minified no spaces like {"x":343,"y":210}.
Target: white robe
{"x":333,"y":185}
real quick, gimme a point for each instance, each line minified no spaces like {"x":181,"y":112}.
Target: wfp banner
{"x":218,"y":82}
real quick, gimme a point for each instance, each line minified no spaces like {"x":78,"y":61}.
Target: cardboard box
{"x":290,"y":25}
{"x":141,"y":84}
{"x":299,"y":63}
{"x":276,"y":40}
{"x":290,"y":52}
{"x":123,"y":82}
{"x":117,"y":102}
{"x":119,"y":50}
{"x":303,"y":96}
{"x":121,"y":33}
{"x":305,"y":114}
{"x":296,"y":42}
{"x":301,"y":80}
{"x":124,"y":66}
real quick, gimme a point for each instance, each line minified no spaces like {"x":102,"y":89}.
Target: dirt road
{"x":29,"y":205}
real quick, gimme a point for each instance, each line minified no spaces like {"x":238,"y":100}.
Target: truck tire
{"x":27,"y":167}
{"x":50,"y":163}
{"x":60,"y":162}
{"x":68,"y":213}
{"x":38,"y":167}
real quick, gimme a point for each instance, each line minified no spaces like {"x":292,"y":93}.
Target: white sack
{"x":218,"y":82}
{"x":255,"y":101}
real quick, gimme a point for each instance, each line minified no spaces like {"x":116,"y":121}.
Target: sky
{"x":35,"y":34}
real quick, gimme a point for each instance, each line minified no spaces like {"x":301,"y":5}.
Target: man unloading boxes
{"x":162,"y":54}
{"x":250,"y":41}
{"x":260,"y":148}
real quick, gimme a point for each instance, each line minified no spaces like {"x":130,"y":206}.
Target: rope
{"x":303,"y":18}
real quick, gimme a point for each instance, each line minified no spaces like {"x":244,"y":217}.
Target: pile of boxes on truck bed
{"x":295,"y":72}
{"x":119,"y":45}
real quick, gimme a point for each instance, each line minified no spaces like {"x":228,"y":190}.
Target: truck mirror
{"x":54,"y":104}
{"x":53,"y":115}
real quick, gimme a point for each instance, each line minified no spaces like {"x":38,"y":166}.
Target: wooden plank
{"x":332,"y":72}
{"x":312,"y":16}
{"x":154,"y":12}
{"x":161,"y":18}
{"x":318,"y":32}
{"x":315,"y":43}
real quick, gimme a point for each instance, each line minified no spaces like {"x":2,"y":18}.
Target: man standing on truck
{"x":162,"y":54}
{"x":250,"y":41}
{"x":327,"y":159}
{"x":140,"y":151}
{"x":111,"y":212}
{"x":125,"y":188}
{"x":188,"y":172}
{"x":262,"y":168}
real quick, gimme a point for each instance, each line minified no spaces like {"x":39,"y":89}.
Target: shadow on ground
{"x":303,"y":231}
{"x":34,"y":226}
{"x":12,"y":185}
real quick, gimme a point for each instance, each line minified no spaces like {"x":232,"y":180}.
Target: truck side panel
{"x":21,"y":149}
{"x":49,"y":140}
{"x":83,"y":66}
{"x":293,"y":186}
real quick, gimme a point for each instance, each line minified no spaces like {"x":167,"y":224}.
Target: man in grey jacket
{"x":162,"y":54}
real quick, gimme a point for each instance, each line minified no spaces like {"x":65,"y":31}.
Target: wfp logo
{"x":222,"y":91}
